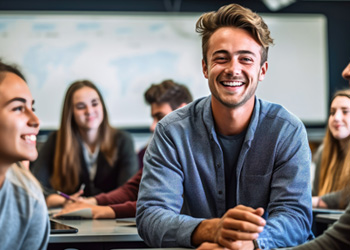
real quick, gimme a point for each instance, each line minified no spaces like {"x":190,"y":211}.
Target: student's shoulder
{"x":121,"y":133}
{"x":188,"y":113}
{"x":279,"y":113}
{"x":122,"y":136}
{"x":24,"y":184}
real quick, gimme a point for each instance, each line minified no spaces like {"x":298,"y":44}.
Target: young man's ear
{"x":263,"y":70}
{"x":205,"y":69}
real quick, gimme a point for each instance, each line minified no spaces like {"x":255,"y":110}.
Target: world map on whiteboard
{"x":124,"y":53}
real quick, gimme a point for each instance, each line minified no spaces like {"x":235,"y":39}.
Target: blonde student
{"x":332,"y":168}
{"x":331,"y":183}
{"x":86,"y":150}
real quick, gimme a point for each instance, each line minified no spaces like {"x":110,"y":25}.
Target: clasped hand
{"x":236,"y":229}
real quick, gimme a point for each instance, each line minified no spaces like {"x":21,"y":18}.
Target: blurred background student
{"x":121,"y":203}
{"x":332,"y":163}
{"x":332,"y":176}
{"x":85,"y":150}
{"x":24,"y":220}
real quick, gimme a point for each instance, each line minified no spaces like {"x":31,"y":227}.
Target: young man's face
{"x":233,"y":66}
{"x":158,"y":111}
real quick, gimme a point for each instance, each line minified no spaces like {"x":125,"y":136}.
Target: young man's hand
{"x":235,"y":230}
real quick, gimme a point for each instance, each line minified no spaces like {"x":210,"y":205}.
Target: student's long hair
{"x":23,"y":178}
{"x":335,"y":161}
{"x":67,"y":163}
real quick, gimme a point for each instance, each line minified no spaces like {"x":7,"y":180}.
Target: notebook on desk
{"x":59,"y":228}
{"x":84,"y":213}
{"x":327,"y":211}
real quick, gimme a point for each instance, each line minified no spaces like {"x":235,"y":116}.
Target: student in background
{"x":213,"y":167}
{"x":332,"y":166}
{"x":121,"y":203}
{"x":338,"y":199}
{"x":85,"y":150}
{"x":24,"y":220}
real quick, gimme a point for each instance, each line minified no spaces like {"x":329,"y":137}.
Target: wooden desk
{"x":97,"y":235}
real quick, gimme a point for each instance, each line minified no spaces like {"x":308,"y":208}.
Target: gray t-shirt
{"x":24,"y":220}
{"x":231,"y":147}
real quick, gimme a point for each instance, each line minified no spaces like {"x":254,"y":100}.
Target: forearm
{"x":55,"y":200}
{"x":333,"y":200}
{"x":125,"y":193}
{"x":124,"y":210}
{"x":292,"y":228}
{"x":317,"y":202}
{"x":167,"y":229}
{"x":102,"y":212}
{"x":290,"y":202}
{"x":204,"y":232}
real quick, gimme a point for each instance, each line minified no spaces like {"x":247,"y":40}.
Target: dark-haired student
{"x":121,"y":203}
{"x":24,"y":220}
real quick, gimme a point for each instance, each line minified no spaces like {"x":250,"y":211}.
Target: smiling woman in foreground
{"x":23,"y":216}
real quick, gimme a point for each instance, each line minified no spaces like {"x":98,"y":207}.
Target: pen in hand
{"x":64,"y":195}
{"x":74,"y":196}
{"x":82,"y":187}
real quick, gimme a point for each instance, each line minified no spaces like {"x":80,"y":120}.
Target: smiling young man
{"x":228,"y":168}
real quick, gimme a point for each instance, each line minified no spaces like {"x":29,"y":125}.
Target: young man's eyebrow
{"x":220,"y":52}
{"x":238,"y":52}
{"x":246,"y":52}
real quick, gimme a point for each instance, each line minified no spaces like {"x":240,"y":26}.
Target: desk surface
{"x":98,"y":231}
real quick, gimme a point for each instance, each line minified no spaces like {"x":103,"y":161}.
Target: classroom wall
{"x":336,"y":12}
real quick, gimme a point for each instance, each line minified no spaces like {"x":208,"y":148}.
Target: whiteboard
{"x":123,"y":53}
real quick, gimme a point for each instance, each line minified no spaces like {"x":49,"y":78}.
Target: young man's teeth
{"x":233,"y":84}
